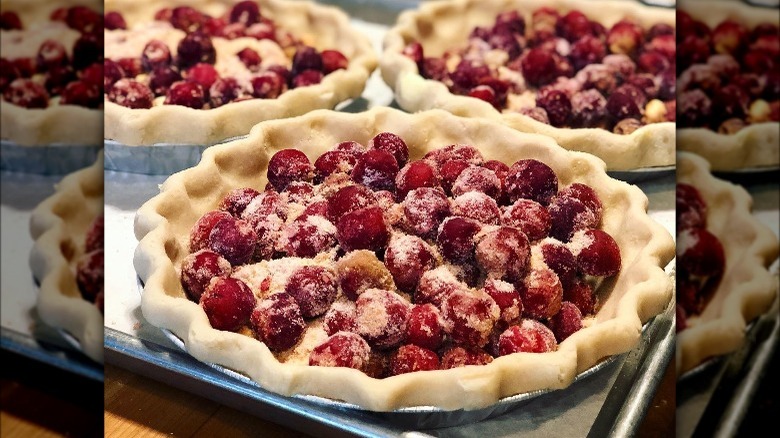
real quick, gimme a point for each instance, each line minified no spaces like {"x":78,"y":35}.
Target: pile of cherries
{"x":429,"y":262}
{"x":701,"y":260}
{"x":583,"y":75}
{"x":89,"y":268}
{"x":32,"y":82}
{"x":190,"y":79}
{"x":730,"y":75}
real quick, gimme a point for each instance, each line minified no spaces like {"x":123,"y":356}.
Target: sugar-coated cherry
{"x":341,"y":317}
{"x":541,"y":292}
{"x":566,"y":322}
{"x":506,"y":297}
{"x":528,"y":216}
{"x":307,"y":78}
{"x":569,"y":215}
{"x":456,"y":238}
{"x":155,"y":54}
{"x":449,"y":172}
{"x":289,"y":165}
{"x":228,"y":303}
{"x":348,"y":199}
{"x":700,"y":252}
{"x":469,"y":317}
{"x":382,"y":318}
{"x":233,"y":239}
{"x":476,"y":178}
{"x":246,"y":12}
{"x":236,"y":201}
{"x":51,"y":54}
{"x":530,"y":336}
{"x":314,"y":288}
{"x":364,"y":228}
{"x":464,"y":152}
{"x":199,"y":268}
{"x":334,"y":161}
{"x":9,"y":20}
{"x":114,"y":21}
{"x":225,"y":90}
{"x":410,"y":358}
{"x":580,"y":293}
{"x":199,"y":234}
{"x":307,"y":237}
{"x":376,"y":169}
{"x":557,"y":256}
{"x":458,"y":356}
{"x":414,"y":175}
{"x":202,"y":74}
{"x":597,"y":253}
{"x":531,"y":179}
{"x":503,"y":253}
{"x":184,"y":93}
{"x":94,"y":239}
{"x":425,"y":327}
{"x":477,"y":206}
{"x":161,"y":79}
{"x":277,"y":322}
{"x":343,"y":349}
{"x":407,"y":258}
{"x":435,"y":285}
{"x":81,"y":93}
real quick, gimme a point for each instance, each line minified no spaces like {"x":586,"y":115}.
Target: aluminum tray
{"x":45,"y":160}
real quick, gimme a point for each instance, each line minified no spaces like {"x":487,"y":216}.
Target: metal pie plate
{"x":158,"y":159}
{"x":54,"y":159}
{"x":643,"y":173}
{"x":423,"y":417}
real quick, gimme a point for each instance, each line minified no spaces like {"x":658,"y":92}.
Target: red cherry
{"x":506,"y":297}
{"x":541,"y":292}
{"x":289,"y":165}
{"x":233,"y":239}
{"x":530,"y":336}
{"x":333,"y":60}
{"x":228,"y":303}
{"x":566,"y":322}
{"x":597,"y":253}
{"x":363,"y":229}
{"x":411,"y":358}
{"x":469,"y":317}
{"x":277,"y":322}
{"x":90,"y":274}
{"x":407,"y":258}
{"x":531,"y":179}
{"x":340,"y":317}
{"x":199,"y":268}
{"x":477,"y":206}
{"x":376,"y":169}
{"x":382,"y":318}
{"x":504,"y":253}
{"x":342,"y":349}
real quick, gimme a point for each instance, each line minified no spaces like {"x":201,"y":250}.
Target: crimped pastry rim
{"x":160,"y":248}
{"x":748,"y":288}
{"x":55,"y":124}
{"x":177,"y":124}
{"x":52,"y":225}
{"x":754,"y":146}
{"x":652,"y":145}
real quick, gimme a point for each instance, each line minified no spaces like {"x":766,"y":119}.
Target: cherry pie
{"x":67,"y":258}
{"x":50,"y":69}
{"x":729,"y":85}
{"x":374,"y":257}
{"x":210,"y":70}
{"x":723,"y":255}
{"x":600,"y":82}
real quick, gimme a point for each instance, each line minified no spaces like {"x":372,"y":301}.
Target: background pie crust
{"x":442,"y":25}
{"x":323,"y":27}
{"x":755,"y":145}
{"x":59,"y":225}
{"x":747,"y":288}
{"x":162,"y":225}
{"x":55,"y":124}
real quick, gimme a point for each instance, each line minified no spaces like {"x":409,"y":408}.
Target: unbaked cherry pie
{"x":729,"y":85}
{"x":600,"y":80}
{"x":211,"y":55}
{"x":51,"y":72}
{"x":336,"y":254}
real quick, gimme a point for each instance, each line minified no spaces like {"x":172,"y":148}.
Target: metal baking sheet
{"x":21,"y":330}
{"x":591,"y":403}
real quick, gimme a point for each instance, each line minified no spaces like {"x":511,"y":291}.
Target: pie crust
{"x":55,"y":124}
{"x":755,"y":145}
{"x":320,"y":26}
{"x":440,"y":25}
{"x":59,"y":225}
{"x":747,"y":288}
{"x":162,"y":225}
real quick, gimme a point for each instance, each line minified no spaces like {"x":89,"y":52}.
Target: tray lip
{"x":28,"y":346}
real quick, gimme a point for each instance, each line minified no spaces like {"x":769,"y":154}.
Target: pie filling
{"x":367,"y":260}
{"x":187,"y":57}
{"x":52,"y":63}
{"x":729,"y":74}
{"x":90,"y":267}
{"x":564,"y":70}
